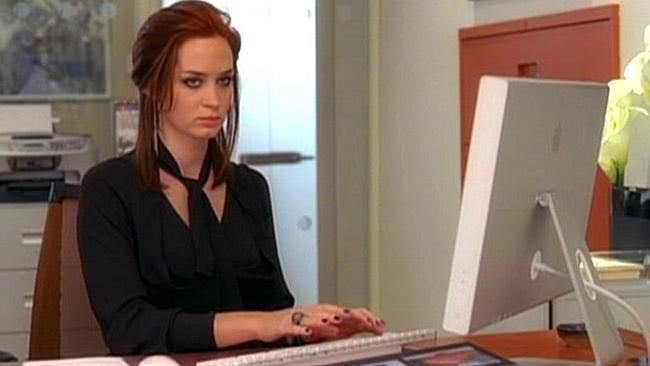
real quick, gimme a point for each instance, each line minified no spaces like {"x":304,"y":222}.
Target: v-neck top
{"x":139,"y":261}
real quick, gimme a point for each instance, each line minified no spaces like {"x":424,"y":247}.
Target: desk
{"x":542,"y":344}
{"x":545,"y":344}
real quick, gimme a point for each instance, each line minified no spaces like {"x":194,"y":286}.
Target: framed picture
{"x":55,"y":49}
{"x":125,"y":117}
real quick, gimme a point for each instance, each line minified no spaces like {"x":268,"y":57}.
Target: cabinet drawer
{"x":17,"y":289}
{"x":15,"y":343}
{"x":21,"y":233}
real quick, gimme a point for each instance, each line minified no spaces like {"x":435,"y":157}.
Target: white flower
{"x":628,"y":97}
{"x":637,"y":72}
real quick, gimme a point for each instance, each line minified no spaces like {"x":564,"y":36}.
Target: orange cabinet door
{"x":576,"y":45}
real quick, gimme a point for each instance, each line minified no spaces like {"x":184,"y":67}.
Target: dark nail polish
{"x":324,"y":320}
{"x":308,"y":331}
{"x":337,"y":318}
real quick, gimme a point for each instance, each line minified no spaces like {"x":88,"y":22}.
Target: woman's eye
{"x":225,"y":81}
{"x":193,"y":82}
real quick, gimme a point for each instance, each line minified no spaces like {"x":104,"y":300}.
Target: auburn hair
{"x":154,"y":57}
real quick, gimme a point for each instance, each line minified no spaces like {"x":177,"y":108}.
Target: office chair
{"x":63,"y":324}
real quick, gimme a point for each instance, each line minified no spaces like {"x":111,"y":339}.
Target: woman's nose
{"x":212,"y":97}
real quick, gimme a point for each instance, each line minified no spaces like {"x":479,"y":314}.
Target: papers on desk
{"x":616,"y":269}
{"x":86,"y":361}
{"x":25,"y":118}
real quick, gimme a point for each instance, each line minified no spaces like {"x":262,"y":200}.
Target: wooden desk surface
{"x":541,"y":344}
{"x":544,"y":344}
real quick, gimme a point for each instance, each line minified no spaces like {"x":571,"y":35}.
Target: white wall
{"x":635,"y":15}
{"x":419,"y":163}
{"x":490,"y":11}
{"x":343,"y":151}
{"x":351,"y":111}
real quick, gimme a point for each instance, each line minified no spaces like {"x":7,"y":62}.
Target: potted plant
{"x":628,"y":108}
{"x":629,"y":100}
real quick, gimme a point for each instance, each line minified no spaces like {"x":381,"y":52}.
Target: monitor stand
{"x":605,"y":340}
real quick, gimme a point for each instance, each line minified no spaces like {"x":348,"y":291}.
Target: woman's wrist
{"x":267,"y":325}
{"x":259,"y":324}
{"x":238,"y":327}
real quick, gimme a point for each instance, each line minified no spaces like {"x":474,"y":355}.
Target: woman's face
{"x":203,"y":90}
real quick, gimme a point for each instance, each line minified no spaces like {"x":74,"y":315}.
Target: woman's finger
{"x":326,"y":314}
{"x":300,"y":331}
{"x":316,"y":317}
{"x":318,"y":321}
{"x":361,"y":318}
{"x":364,"y":321}
{"x":328,"y":322}
{"x":375,"y":323}
{"x":322,"y":331}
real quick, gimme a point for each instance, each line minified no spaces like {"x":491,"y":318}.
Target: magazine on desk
{"x":459,"y":354}
{"x":616,"y":269}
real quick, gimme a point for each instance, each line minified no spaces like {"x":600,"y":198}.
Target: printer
{"x":34,"y":159}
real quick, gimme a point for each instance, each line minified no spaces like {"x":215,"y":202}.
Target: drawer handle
{"x":32,"y":237}
{"x":28,"y":300}
{"x":528,"y":69}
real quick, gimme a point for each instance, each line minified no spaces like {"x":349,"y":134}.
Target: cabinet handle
{"x":528,"y":69}
{"x":32,"y":237}
{"x":28,"y":300}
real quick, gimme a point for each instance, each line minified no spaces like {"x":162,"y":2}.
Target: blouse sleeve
{"x":270,"y":245}
{"x":130,"y":323}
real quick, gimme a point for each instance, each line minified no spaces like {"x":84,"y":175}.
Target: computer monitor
{"x":533,"y":141}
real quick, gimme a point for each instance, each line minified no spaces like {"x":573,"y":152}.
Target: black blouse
{"x":139,"y":261}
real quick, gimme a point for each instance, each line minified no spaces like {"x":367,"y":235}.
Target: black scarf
{"x":199,"y":207}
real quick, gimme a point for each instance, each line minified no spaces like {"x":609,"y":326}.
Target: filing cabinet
{"x":21,"y":233}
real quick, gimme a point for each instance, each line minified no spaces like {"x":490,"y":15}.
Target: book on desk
{"x":616,"y":269}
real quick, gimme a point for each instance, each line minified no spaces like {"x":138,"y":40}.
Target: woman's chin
{"x":206,"y":133}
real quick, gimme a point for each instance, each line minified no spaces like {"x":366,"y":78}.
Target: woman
{"x":177,"y":243}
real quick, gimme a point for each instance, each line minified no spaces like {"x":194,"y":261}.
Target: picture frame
{"x":125,"y":125}
{"x":55,"y":50}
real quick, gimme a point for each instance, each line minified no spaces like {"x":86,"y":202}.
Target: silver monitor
{"x":533,"y":141}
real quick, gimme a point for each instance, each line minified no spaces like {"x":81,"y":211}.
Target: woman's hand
{"x":345,"y":323}
{"x":315,"y":323}
{"x":274,"y":325}
{"x":360,"y":320}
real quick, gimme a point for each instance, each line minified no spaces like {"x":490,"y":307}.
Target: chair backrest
{"x":63,"y":324}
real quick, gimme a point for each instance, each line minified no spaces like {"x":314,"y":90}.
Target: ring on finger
{"x":297,"y":317}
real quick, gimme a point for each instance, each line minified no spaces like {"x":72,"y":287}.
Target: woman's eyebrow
{"x":201,"y":73}
{"x":192,"y":72}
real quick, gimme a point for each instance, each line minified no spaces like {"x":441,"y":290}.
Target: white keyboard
{"x":327,"y":353}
